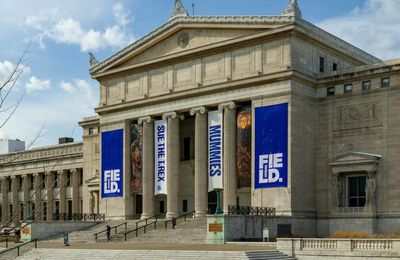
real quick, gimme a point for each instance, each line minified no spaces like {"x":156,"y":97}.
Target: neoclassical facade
{"x":271,"y":111}
{"x":44,"y":184}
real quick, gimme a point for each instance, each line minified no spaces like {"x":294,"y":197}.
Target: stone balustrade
{"x":304,"y":248}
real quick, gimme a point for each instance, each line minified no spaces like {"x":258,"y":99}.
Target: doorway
{"x":212,"y":202}
{"x":139,"y":204}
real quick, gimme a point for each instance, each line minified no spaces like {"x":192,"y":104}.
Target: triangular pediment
{"x":356,"y":157}
{"x":93,"y":181}
{"x":183,"y":34}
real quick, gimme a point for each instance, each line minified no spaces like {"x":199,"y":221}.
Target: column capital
{"x":146,"y":119}
{"x":198,"y":110}
{"x":24,"y":176}
{"x":73,"y":171}
{"x":172,"y":115}
{"x":228,"y":105}
{"x":35,"y":174}
{"x":60,"y":172}
{"x":13,"y":177}
{"x":48,"y":173}
{"x":2,"y":178}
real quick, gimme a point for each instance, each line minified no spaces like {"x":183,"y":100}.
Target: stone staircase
{"x":51,"y":254}
{"x":87,"y":235}
{"x":191,"y":231}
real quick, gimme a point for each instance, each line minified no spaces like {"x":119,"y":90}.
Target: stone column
{"x":15,"y":199}
{"x":62,"y":182}
{"x":4,"y":201}
{"x":26,"y":186}
{"x":173,"y":160}
{"x":75,"y":191}
{"x":201,"y":162}
{"x":38,"y":189}
{"x":147,"y":167}
{"x":50,"y":195}
{"x":229,"y":153}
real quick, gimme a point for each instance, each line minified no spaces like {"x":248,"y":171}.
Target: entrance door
{"x":139,"y":204}
{"x":162,"y":207}
{"x":212,"y":202}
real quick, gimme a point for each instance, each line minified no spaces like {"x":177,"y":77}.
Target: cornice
{"x":336,"y":42}
{"x":216,"y":88}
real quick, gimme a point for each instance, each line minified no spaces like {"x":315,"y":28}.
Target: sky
{"x":56,"y":87}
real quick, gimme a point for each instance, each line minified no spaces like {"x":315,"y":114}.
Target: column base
{"x":172,"y":215}
{"x":146,"y":215}
{"x":200,"y":214}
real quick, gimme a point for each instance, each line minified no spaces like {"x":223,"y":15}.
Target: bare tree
{"x":8,"y":86}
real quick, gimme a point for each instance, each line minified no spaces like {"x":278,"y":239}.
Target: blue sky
{"x":59,"y":91}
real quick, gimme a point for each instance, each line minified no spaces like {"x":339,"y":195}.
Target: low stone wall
{"x":339,"y":248}
{"x":43,"y":230}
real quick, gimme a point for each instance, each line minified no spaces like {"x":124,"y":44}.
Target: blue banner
{"x":112,"y":163}
{"x":271,"y":146}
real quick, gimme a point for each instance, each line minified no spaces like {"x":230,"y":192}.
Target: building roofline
{"x":245,"y":20}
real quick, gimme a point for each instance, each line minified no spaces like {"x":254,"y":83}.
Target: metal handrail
{"x":181,"y":216}
{"x":17,"y":247}
{"x":147,"y":219}
{"x":138,"y":228}
{"x":113,"y":227}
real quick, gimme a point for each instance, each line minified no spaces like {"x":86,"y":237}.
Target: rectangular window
{"x":31,"y":181}
{"x":356,"y":191}
{"x":68,"y":179}
{"x":21,"y":213}
{"x":45,"y":211}
{"x":385,"y":82}
{"x":184,"y":206}
{"x":91,"y":130}
{"x":21,"y":182}
{"x":11,"y":210}
{"x":334,"y":66}
{"x":80,"y":178}
{"x":366,"y":85}
{"x":330,"y":91}
{"x":186,"y":148}
{"x":321,"y":64}
{"x":348,"y":88}
{"x":57,"y":207}
{"x":43,"y":180}
{"x":55,"y":176}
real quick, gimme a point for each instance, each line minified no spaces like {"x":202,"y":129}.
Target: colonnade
{"x":201,"y":161}
{"x":31,"y":185}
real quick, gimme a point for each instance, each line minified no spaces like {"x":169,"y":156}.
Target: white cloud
{"x":81,"y":87}
{"x":373,"y":27}
{"x":53,"y":25}
{"x":36,"y":84}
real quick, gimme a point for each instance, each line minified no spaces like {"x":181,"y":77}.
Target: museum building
{"x":271,"y":111}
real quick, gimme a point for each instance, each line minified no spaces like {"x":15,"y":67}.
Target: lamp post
{"x":218,"y":210}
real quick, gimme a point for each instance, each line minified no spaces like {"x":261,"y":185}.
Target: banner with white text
{"x":112,"y":163}
{"x":215,"y":137}
{"x":271,"y":146}
{"x":160,"y":157}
